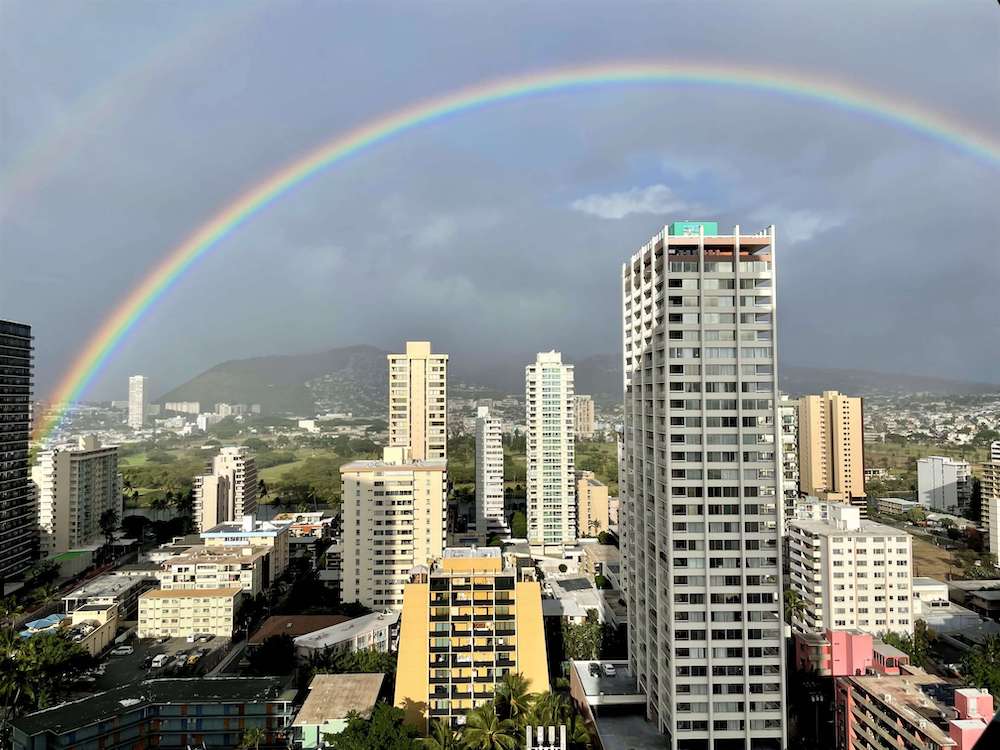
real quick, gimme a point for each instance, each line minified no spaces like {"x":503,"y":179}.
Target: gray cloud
{"x":503,"y":229}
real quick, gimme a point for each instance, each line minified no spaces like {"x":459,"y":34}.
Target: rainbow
{"x":208,"y":236}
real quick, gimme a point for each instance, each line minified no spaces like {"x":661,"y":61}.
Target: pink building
{"x":888,"y":713}
{"x":836,"y":653}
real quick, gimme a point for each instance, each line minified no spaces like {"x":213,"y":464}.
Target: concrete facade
{"x":831,"y":448}
{"x":418,"y":402}
{"x":465,"y":624}
{"x":592,"y":513}
{"x":551,"y":492}
{"x":943,"y":484}
{"x":179,"y":613}
{"x":18,"y":535}
{"x":583,"y":415}
{"x":229,"y":491}
{"x":394,"y":517}
{"x":700,"y":494}
{"x":490,"y":516}
{"x":136,"y":401}
{"x":851,"y":573}
{"x":75,"y":486}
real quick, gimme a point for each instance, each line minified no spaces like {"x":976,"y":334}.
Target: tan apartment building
{"x":75,"y":486}
{"x":179,"y":613}
{"x":229,"y":491}
{"x":418,"y":405}
{"x":831,"y":448}
{"x":218,"y":567}
{"x":394,"y":517}
{"x":583,"y":412}
{"x":249,"y":532}
{"x":466,"y":623}
{"x":592,"y":511}
{"x":851,"y":573}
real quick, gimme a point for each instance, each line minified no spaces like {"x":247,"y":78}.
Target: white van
{"x":159,"y":660}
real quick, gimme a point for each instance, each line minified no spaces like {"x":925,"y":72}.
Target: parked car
{"x":160,"y":660}
{"x":594,"y":669}
{"x":205,"y":637}
{"x":608,"y":669}
{"x":163,"y":639}
{"x":122,"y":651}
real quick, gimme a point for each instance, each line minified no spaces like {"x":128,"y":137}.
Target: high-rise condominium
{"x":489,"y":473}
{"x":17,"y":495}
{"x":831,"y":448}
{"x":229,"y":491}
{"x":990,"y":504}
{"x":789,"y":411}
{"x":76,"y":485}
{"x":467,"y":622}
{"x":136,"y":401}
{"x":395,"y":515}
{"x":418,"y":407}
{"x":548,"y":385}
{"x":944,"y":484}
{"x":700,"y":488}
{"x":583,"y":412}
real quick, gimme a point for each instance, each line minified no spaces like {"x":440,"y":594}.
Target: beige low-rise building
{"x":249,"y":532}
{"x":592,"y":506}
{"x":218,"y":567}
{"x":596,"y":557}
{"x":94,"y":626}
{"x":182,"y":612}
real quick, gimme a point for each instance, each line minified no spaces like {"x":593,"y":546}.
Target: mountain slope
{"x":354,"y":379}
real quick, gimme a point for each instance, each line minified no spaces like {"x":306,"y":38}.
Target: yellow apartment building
{"x":831,"y":447}
{"x":592,"y":515}
{"x":466,"y":623}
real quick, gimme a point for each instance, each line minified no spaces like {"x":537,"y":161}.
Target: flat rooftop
{"x":110,"y":584}
{"x":236,"y":528}
{"x":220,"y":555}
{"x":337,"y":633}
{"x":628,"y":732}
{"x":976,"y":585}
{"x":294,"y":626}
{"x":621,"y":689}
{"x":373,"y":465}
{"x":472,"y":552}
{"x":334,"y":696}
{"x":906,"y":696}
{"x":864,"y":528}
{"x":182,"y":690}
{"x":191,"y":593}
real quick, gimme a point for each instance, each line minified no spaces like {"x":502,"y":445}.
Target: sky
{"x":125,"y":125}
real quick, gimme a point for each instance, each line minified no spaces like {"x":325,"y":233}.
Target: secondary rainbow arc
{"x":103,"y":343}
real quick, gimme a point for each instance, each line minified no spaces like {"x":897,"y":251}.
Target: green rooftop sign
{"x":680,"y":228}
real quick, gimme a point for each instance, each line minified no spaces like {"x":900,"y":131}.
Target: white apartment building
{"x":489,"y":473}
{"x":788,"y":410}
{"x":217,"y":568}
{"x":943,"y":484}
{"x":418,"y":403}
{"x":75,"y":486}
{"x":990,"y":504}
{"x":851,"y":573}
{"x":394,"y":517}
{"x":583,"y":413}
{"x":136,"y":401}
{"x":995,"y":452}
{"x":376,"y":631}
{"x":249,"y":532}
{"x":229,"y":492}
{"x":551,"y":492}
{"x":183,"y":407}
{"x":700,"y":487}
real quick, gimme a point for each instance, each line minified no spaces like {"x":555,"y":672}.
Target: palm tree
{"x":442,"y":737}
{"x":252,"y":739}
{"x":484,"y":730}
{"x":795,"y":606}
{"x":513,"y":696}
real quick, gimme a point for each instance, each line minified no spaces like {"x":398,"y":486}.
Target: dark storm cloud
{"x":500,"y":231}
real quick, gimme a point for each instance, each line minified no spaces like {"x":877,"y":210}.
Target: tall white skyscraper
{"x":548,"y":385}
{"x":418,"y":406}
{"x":136,"y":401}
{"x":701,"y":487}
{"x":943,"y":484}
{"x":489,"y":473}
{"x":229,"y":492}
{"x":76,"y":485}
{"x":583,"y":412}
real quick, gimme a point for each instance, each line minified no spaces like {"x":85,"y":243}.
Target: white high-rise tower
{"x":489,"y":473}
{"x":548,"y":385}
{"x":418,"y":406}
{"x":136,"y":401}
{"x":701,"y":487}
{"x":229,"y":492}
